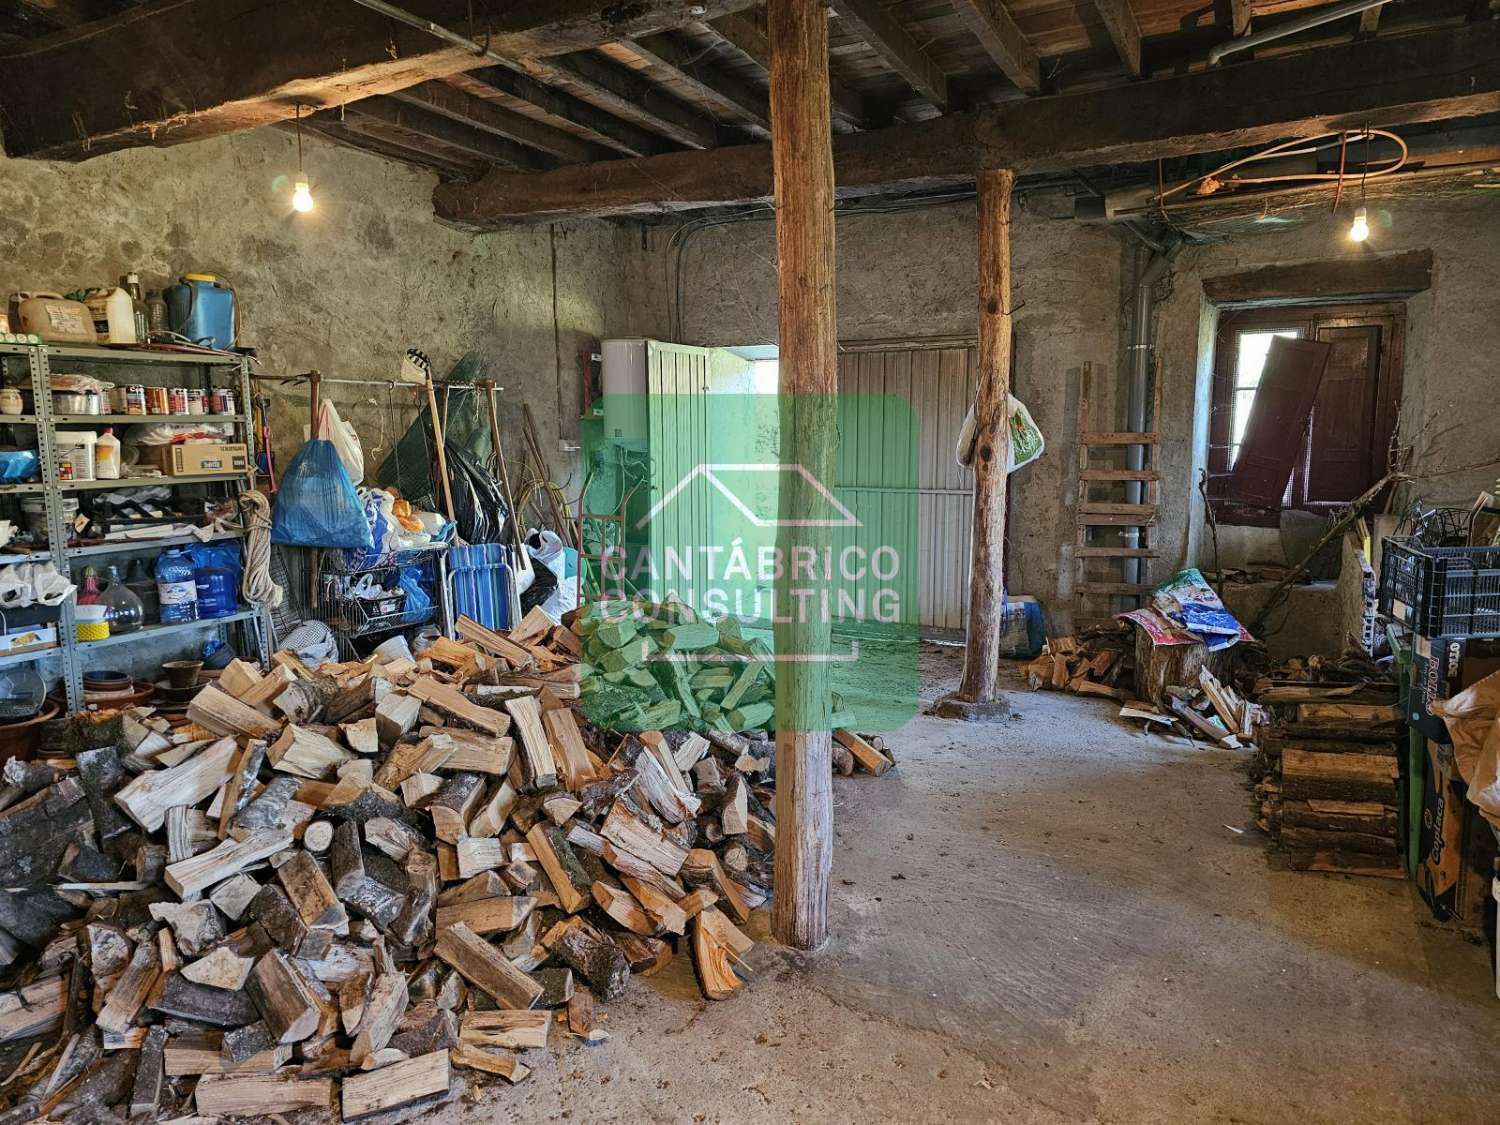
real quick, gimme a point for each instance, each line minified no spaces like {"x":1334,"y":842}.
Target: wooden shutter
{"x":1275,"y":436}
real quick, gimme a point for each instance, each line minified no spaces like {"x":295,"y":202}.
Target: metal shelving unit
{"x":39,"y":361}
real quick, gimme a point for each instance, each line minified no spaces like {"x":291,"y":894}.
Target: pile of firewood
{"x":1327,"y":770}
{"x":329,"y":887}
{"x":1095,"y":661}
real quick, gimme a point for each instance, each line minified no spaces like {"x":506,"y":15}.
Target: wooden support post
{"x":802,"y":152}
{"x":978,"y":696}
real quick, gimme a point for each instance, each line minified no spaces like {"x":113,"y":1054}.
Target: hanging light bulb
{"x":1359,"y":230}
{"x":302,"y":199}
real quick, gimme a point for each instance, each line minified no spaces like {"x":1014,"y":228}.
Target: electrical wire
{"x":1299,"y":147}
{"x":258,"y":586}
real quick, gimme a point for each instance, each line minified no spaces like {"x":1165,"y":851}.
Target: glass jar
{"x":126,"y":613}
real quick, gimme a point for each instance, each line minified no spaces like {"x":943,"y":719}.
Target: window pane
{"x":1250,"y":361}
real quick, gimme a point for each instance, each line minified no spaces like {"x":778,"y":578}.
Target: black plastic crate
{"x":1441,"y":591}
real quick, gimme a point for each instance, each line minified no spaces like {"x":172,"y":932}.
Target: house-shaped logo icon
{"x":841,"y":516}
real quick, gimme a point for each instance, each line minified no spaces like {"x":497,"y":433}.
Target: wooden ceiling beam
{"x":1239,"y":17}
{"x":626,"y":94}
{"x":872,"y":23}
{"x":461,"y":138}
{"x":1438,"y":75}
{"x":574,"y":114}
{"x":745,"y":36}
{"x":491,"y":117}
{"x":170,"y":71}
{"x":990,"y":23}
{"x":1124,"y":31}
{"x":747,"y":106}
{"x":365,"y":137}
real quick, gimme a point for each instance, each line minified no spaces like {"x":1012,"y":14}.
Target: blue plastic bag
{"x":418,"y":600}
{"x":316,"y":505}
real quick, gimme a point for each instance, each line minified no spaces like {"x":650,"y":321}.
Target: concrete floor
{"x":1053,"y":920}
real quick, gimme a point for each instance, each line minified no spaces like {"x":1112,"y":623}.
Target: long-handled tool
{"x":417,"y":368}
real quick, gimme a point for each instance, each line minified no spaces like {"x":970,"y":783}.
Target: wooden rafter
{"x":1119,"y":20}
{"x":1369,"y":20}
{"x":126,"y":76}
{"x":371,"y":137}
{"x":418,"y":121}
{"x":1448,"y":73}
{"x":562,"y":109}
{"x":742,"y":33}
{"x":727,"y":94}
{"x":490,"y":117}
{"x":900,"y":51}
{"x":627,"y":94}
{"x":991,"y":24}
{"x":1239,"y":17}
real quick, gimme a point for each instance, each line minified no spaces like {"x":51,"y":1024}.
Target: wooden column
{"x":802,"y":153}
{"x":991,"y":443}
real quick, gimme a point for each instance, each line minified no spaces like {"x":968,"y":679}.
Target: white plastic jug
{"x":75,"y":454}
{"x":107,"y":456}
{"x":113,"y":311}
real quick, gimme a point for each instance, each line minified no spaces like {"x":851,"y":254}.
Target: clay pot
{"x":20,"y":740}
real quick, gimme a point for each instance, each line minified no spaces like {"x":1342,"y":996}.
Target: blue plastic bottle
{"x":177,"y":587}
{"x":215,"y":590}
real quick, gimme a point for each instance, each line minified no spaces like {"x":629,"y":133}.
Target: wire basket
{"x":1441,"y":591}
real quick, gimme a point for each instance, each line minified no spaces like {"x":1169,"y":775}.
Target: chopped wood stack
{"x":1328,"y":769}
{"x":657,"y":665}
{"x":334,"y":889}
{"x":1184,"y":696}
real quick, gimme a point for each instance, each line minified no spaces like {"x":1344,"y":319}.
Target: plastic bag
{"x":418,"y":600}
{"x":334,"y":429}
{"x":1026,"y":441}
{"x":547,"y":548}
{"x":316,"y":505}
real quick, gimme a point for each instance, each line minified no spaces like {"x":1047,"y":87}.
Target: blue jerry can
{"x":204,"y":309}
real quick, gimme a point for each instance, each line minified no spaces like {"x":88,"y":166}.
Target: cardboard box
{"x":1457,"y":865}
{"x":1441,"y":668}
{"x":200,"y":458}
{"x":28,"y":638}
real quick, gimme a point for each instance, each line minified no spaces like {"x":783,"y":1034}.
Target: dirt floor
{"x":1056,"y":920}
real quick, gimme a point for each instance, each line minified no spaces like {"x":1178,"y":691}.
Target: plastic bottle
{"x":156,"y":312}
{"x":143,"y":586}
{"x":107,"y":456}
{"x":215,"y":588}
{"x":114,"y":315}
{"x":132,"y":283}
{"x":88,"y":593}
{"x":176,"y":588}
{"x":126,"y":613}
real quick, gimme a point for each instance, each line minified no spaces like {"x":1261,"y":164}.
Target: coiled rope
{"x":259,"y":587}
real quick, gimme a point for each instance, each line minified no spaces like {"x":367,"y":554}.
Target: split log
{"x":536,"y":750}
{"x":717,"y":946}
{"x":255,"y":1095}
{"x":225,"y":715}
{"x":149,"y":796}
{"x":284,"y":998}
{"x":483,"y":966}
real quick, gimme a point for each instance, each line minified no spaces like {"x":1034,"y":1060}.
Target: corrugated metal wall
{"x":936,"y":377}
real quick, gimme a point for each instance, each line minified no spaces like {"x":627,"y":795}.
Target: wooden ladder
{"x":1091,"y":513}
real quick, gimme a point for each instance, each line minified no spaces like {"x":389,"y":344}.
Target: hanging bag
{"x":332,"y":427}
{"x":316,"y":505}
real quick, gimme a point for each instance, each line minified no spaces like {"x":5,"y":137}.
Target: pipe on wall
{"x":1138,"y":386}
{"x":1291,"y":27}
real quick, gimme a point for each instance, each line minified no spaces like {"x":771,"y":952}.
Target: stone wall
{"x":345,"y":289}
{"x":913,"y":274}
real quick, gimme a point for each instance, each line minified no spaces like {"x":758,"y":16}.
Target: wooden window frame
{"x":1307,"y":318}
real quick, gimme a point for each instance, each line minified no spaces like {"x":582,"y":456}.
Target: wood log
{"x":717,"y":946}
{"x":581,"y":1018}
{"x":569,"y":752}
{"x":704,"y":869}
{"x":256,"y":1095}
{"x":284,"y":998}
{"x":231,"y":856}
{"x":381,"y":1012}
{"x":483,"y":966}
{"x":306,"y":753}
{"x":536,"y":751}
{"x":220,"y":968}
{"x":511,"y":1030}
{"x":592,"y":956}
{"x":492,"y":915}
{"x":145,"y":1094}
{"x":476,"y":855}
{"x":149,"y":796}
{"x":395,"y":715}
{"x":452,"y":702}
{"x":453,"y":805}
{"x":40,"y":1006}
{"x":363,"y":736}
{"x":310,"y":893}
{"x":623,"y":828}
{"x":558,"y":860}
{"x":1339,"y":777}
{"x":489,"y":1061}
{"x":222,"y":714}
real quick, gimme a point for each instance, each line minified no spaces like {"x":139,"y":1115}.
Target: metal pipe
{"x":1291,"y":27}
{"x":1137,"y":389}
{"x":411,"y":19}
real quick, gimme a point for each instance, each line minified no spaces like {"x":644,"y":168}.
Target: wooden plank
{"x":1239,"y":17}
{"x":1445,"y":73}
{"x":1117,"y":437}
{"x":304,"y":64}
{"x":1114,"y":553}
{"x":626,"y":94}
{"x":561,"y":110}
{"x":990,"y":22}
{"x":741,"y":32}
{"x":491,"y":117}
{"x":1364,"y":275}
{"x":1124,"y":31}
{"x":720,"y":89}
{"x":1119,"y":474}
{"x":877,"y":27}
